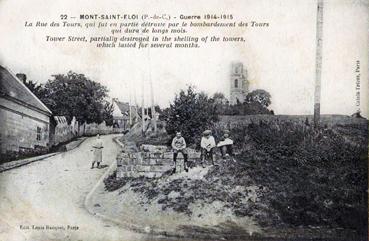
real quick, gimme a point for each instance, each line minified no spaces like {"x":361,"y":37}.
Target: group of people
{"x":179,"y":146}
{"x":207,"y":147}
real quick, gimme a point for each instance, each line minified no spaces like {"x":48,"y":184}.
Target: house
{"x":124,"y":115}
{"x":24,"y":118}
{"x":120,"y":114}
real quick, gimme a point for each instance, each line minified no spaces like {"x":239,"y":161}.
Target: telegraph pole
{"x":130,"y":108}
{"x":318,"y":62}
{"x":153,"y":115}
{"x":143,"y":108}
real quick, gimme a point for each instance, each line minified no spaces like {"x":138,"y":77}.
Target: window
{"x":236,"y":83}
{"x":38,"y":137}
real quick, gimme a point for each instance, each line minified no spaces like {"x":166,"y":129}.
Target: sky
{"x":279,"y":59}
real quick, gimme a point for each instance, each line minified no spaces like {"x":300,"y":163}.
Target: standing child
{"x":97,"y":152}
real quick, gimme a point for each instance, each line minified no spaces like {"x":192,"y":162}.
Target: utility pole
{"x":135,"y":99}
{"x":136,"y":107}
{"x":130,"y":108}
{"x":153,"y":114}
{"x":143,"y":108}
{"x":318,"y":62}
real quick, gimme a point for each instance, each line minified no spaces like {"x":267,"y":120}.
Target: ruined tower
{"x":239,"y":83}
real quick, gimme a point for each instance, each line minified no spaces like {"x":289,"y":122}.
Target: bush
{"x":314,"y":176}
{"x":191,"y":113}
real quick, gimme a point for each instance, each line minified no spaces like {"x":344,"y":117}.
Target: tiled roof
{"x":123,"y":106}
{"x":12,"y":87}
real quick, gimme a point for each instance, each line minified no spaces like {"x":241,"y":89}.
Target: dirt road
{"x":45,"y":200}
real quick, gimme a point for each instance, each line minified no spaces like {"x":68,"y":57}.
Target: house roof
{"x":12,"y":87}
{"x":120,"y":108}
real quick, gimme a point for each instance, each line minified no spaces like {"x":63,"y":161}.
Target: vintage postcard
{"x":184,"y":120}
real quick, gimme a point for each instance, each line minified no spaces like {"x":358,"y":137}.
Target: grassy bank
{"x":311,"y":177}
{"x":287,"y":175}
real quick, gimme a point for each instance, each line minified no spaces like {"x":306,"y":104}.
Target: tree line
{"x":74,"y":94}
{"x":191,"y":112}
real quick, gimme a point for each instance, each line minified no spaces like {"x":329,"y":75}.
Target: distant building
{"x":120,"y":114}
{"x":239,"y":84}
{"x":24,"y":118}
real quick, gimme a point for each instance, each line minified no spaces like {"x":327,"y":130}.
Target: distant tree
{"x":219,"y":98}
{"x":76,"y":95}
{"x":191,"y":113}
{"x":149,"y":110}
{"x":221,"y":103}
{"x":261,"y":96}
{"x":256,"y":103}
{"x":158,"y":109}
{"x":357,"y":114}
{"x":164,"y":116}
{"x":108,"y":113}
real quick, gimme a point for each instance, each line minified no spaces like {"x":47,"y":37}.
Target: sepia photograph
{"x":184,"y":120}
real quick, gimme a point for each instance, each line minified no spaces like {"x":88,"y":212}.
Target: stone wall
{"x":152,"y":163}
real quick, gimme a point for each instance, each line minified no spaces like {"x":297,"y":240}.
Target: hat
{"x":207,"y":132}
{"x":226,"y":131}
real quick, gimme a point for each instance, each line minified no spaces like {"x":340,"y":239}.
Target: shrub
{"x":314,"y":176}
{"x":191,"y":113}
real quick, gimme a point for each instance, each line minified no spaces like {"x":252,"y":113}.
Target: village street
{"x":52,"y":192}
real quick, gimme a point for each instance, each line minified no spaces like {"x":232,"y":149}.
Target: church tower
{"x":239,"y":83}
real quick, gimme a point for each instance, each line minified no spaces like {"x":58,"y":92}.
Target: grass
{"x":304,"y":177}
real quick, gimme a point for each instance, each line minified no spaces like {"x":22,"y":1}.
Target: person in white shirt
{"x":226,"y":145}
{"x":207,"y":145}
{"x":179,"y":146}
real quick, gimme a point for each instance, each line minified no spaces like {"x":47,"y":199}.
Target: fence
{"x":62,"y":132}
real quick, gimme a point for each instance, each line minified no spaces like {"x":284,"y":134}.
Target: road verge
{"x":88,"y":200}
{"x":18,"y":163}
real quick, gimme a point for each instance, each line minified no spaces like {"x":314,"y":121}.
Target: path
{"x":52,"y":192}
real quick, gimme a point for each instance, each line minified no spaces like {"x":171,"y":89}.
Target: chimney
{"x":22,"y":77}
